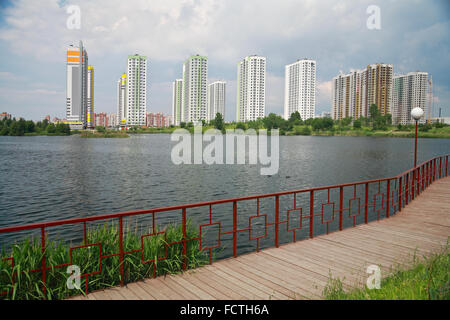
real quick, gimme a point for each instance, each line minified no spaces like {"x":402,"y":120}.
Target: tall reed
{"x":28,"y":256}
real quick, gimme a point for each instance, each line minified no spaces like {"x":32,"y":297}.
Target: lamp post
{"x":416,"y":113}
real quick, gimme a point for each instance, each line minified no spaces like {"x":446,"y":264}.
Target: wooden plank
{"x":306,"y":280}
{"x":270,"y":279}
{"x":238,"y":273}
{"x":156,"y":289}
{"x":139,"y":292}
{"x":229,"y":288}
{"x":192,"y":288}
{"x":206,"y":286}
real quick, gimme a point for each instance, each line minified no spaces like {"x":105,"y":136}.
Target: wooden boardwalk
{"x":301,"y":270}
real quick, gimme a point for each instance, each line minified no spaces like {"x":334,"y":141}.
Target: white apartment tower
{"x":77,"y":86}
{"x":251,"y":88}
{"x":90,"y":98}
{"x":409,"y":91}
{"x":122,"y":100}
{"x":177,"y":101}
{"x":136,"y":90}
{"x":300,"y":89}
{"x":194,"y":93}
{"x":216,"y":99}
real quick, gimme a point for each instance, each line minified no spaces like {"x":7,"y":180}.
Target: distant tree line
{"x":21,"y":127}
{"x":295,"y":124}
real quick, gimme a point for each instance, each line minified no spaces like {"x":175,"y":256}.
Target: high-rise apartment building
{"x":177,"y":101}
{"x":76,"y":86}
{"x":300,"y":89}
{"x":409,"y":91}
{"x":195,"y":82}
{"x":122,"y":100}
{"x":355,"y":92}
{"x":136,"y":90}
{"x":90,"y":98}
{"x":216,"y":99}
{"x":379,"y":86}
{"x":251,"y":88}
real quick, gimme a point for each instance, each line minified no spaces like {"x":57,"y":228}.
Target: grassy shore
{"x":27,"y":256}
{"x":426,"y":280}
{"x":442,"y":133}
{"x":392,"y":131}
{"x":107,"y":134}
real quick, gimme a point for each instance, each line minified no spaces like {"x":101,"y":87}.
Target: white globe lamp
{"x":417,"y":113}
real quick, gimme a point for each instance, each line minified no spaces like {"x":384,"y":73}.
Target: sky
{"x":413,"y":36}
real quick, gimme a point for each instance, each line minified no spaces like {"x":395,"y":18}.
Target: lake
{"x":52,"y":178}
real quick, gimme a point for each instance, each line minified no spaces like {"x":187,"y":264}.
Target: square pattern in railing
{"x":257,"y":227}
{"x":154,"y":241}
{"x":209,"y":232}
{"x":83,"y":266}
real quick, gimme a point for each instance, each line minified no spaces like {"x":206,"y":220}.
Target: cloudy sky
{"x":414,"y":35}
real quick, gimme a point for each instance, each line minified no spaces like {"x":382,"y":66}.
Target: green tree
{"x":346,"y":121}
{"x":102,"y":129}
{"x":327,"y":123}
{"x":357,"y":124}
{"x":50,"y":128}
{"x":273,"y":121}
{"x":4,"y":131}
{"x":241,"y":125}
{"x":255,"y":124}
{"x":17,"y":128}
{"x":218,"y":122}
{"x":29,"y":126}
{"x":63,"y":129}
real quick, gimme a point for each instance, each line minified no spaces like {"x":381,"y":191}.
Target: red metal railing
{"x":382,"y":197}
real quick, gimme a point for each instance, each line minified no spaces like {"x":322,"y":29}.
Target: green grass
{"x":107,"y":134}
{"x":27,"y":255}
{"x":426,"y":280}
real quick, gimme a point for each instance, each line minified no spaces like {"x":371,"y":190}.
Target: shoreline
{"x":288,"y":134}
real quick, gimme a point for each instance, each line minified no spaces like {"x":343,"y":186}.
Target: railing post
{"x":121,"y":251}
{"x":44,"y":268}
{"x":311,"y":214}
{"x":407,"y":189}
{"x":341,"y":196}
{"x":388,"y":191}
{"x":235,"y":229}
{"x":440,"y":167}
{"x":413,"y":184}
{"x":434,"y":171}
{"x":419,"y":175}
{"x":431,"y":171}
{"x":400,"y":194}
{"x":423,"y":176}
{"x":184,"y":239}
{"x":366,"y":201}
{"x":446,"y":165}
{"x":430,"y":166}
{"x":277,"y":218}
